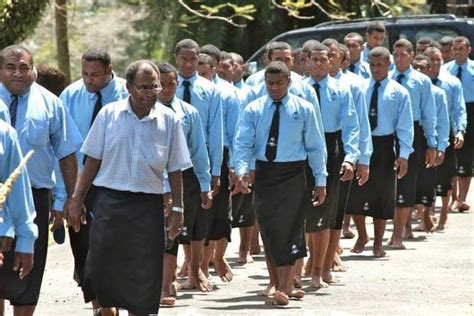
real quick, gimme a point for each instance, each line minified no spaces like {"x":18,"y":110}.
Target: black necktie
{"x":168,"y":105}
{"x":97,"y":106}
{"x":271,"y":150}
{"x":352,"y":68}
{"x":400,"y":78}
{"x":434,"y":81}
{"x":187,"y":91}
{"x":373,"y":111}
{"x":459,"y":73}
{"x":316,"y":87}
{"x":13,"y":108}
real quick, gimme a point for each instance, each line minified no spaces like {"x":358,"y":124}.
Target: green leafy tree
{"x":18,"y":19}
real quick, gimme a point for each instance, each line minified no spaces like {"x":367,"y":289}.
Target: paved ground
{"x":433,"y":276}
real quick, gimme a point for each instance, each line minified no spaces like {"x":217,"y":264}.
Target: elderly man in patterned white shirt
{"x":130,"y":144}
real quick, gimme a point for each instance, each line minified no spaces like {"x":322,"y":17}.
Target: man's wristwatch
{"x":177,"y":209}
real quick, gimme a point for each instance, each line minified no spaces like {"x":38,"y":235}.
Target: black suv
{"x":408,"y":27}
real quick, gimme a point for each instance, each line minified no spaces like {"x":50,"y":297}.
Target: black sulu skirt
{"x":279,"y":204}
{"x":124,"y":265}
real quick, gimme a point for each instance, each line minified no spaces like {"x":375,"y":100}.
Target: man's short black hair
{"x":225,"y":56}
{"x":212,"y":51}
{"x":421,"y":57}
{"x":462,"y":39}
{"x":379,"y":52}
{"x":167,"y":68}
{"x":205,"y":59}
{"x":425,"y":41}
{"x":186,"y":43}
{"x":308,"y":44}
{"x":330,"y":41}
{"x":15,"y":50}
{"x":446,"y":40}
{"x":375,"y":26}
{"x":354,"y":35}
{"x":320,"y":47}
{"x":277,"y":67}
{"x":237,"y":58}
{"x":404,"y":43}
{"x":277,"y":46}
{"x":135,"y":66}
{"x":97,"y":54}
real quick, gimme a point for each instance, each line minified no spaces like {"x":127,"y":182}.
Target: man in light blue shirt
{"x":390,"y":117}
{"x":17,"y":212}
{"x":197,"y":197}
{"x":220,"y":226}
{"x":425,"y":137}
{"x":451,"y":85}
{"x":276,"y":51}
{"x":84,"y":98}
{"x":354,"y":43}
{"x":426,"y":195}
{"x":341,"y":130}
{"x":45,"y":126}
{"x":204,"y":97}
{"x":280,"y":131}
{"x":375,"y":35}
{"x":463,"y":68}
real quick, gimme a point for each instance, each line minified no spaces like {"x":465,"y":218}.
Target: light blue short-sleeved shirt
{"x":339,"y":114}
{"x":18,"y":211}
{"x":442,"y":123}
{"x":193,"y":132}
{"x":467,"y":78}
{"x":456,"y":105}
{"x":300,"y":136}
{"x":394,"y":114}
{"x":205,"y":98}
{"x":44,"y":125}
{"x":355,"y":84}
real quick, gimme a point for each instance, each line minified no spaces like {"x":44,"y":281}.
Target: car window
{"x":436,"y":33}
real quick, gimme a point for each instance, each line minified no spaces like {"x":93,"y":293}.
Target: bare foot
{"x":297,"y":282}
{"x":298,"y":294}
{"x":318,"y":283}
{"x":408,"y":235}
{"x":327,"y":278}
{"x":347,"y":233}
{"x":175,"y":286}
{"x":255,"y":249}
{"x":429,"y":226}
{"x":397,"y":244}
{"x":339,"y":249}
{"x":245,"y":257}
{"x":200,"y":282}
{"x":379,"y":252}
{"x":308,"y":269}
{"x":183,"y":272}
{"x":279,"y":298}
{"x":420,"y":228}
{"x":337,"y":265}
{"x":269,"y":291}
{"x":167,"y":299}
{"x":223,"y":269}
{"x":463,"y":207}
{"x":360,"y":244}
{"x":440,"y":227}
{"x":205,"y":270}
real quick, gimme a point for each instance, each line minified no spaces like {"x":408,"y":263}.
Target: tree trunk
{"x":60,"y":14}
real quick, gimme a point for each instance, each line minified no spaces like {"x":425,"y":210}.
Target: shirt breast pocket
{"x":37,"y":132}
{"x":293,"y":128}
{"x":156,"y":156}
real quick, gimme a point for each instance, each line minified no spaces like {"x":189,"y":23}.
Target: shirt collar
{"x":5,"y":91}
{"x":283,"y":101}
{"x":127,"y":107}
{"x":406,"y":73}
{"x":105,"y":90}
{"x":190,"y":79}
{"x":239,"y":84}
{"x":383,"y":83}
